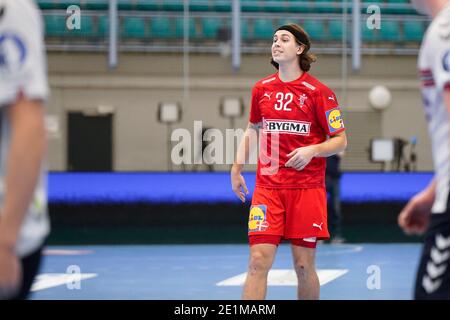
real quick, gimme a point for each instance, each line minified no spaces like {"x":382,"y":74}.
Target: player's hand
{"x":238,"y":184}
{"x":300,"y":157}
{"x":414,"y":217}
{"x":10,"y":272}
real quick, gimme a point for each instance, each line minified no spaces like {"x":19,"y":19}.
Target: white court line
{"x":64,"y":252}
{"x":50,"y":280}
{"x":343,"y":248}
{"x":285,"y":277}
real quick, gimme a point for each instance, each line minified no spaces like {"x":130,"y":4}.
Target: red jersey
{"x":293,"y":114}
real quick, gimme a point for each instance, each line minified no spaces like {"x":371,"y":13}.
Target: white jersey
{"x":434,"y":67}
{"x":23,"y":70}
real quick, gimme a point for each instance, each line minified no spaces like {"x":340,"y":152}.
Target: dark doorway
{"x":90,"y":145}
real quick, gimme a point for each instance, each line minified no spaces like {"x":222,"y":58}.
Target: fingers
{"x":292,"y":153}
{"x":239,"y":194}
{"x":289,"y":162}
{"x":402,"y":219}
{"x":238,"y":191}
{"x":294,"y":162}
{"x":300,"y":164}
{"x":244,"y":186}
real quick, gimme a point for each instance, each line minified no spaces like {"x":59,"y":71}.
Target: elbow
{"x":344,"y":143}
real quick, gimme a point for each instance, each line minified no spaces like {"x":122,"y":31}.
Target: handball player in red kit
{"x":299,"y":123}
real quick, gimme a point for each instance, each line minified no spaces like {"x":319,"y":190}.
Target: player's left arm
{"x":299,"y":158}
{"x":334,"y":145}
{"x":330,"y":119}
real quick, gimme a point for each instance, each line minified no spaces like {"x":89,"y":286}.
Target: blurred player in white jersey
{"x":24,"y":223}
{"x":429,"y":210}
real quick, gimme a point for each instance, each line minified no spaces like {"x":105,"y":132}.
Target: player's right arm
{"x":246,"y":147}
{"x":414,"y":217}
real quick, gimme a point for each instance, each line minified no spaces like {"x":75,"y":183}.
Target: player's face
{"x":284,"y":47}
{"x":421,"y":6}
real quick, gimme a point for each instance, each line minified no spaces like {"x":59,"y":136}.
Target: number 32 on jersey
{"x":283,"y":101}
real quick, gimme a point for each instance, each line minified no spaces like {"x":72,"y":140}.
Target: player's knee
{"x":303,"y":267}
{"x":259,"y":263}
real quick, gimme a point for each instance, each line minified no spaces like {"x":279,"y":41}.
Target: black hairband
{"x":298,"y":36}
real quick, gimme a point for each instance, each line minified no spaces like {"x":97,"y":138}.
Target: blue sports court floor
{"x":191,"y":272}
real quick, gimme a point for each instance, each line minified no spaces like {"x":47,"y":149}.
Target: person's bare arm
{"x":414,"y":217}
{"x":299,"y":158}
{"x":23,"y":164}
{"x":246,"y":147}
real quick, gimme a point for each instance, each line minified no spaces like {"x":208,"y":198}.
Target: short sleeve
{"x":328,"y":113}
{"x":255,"y":112}
{"x":441,"y":67}
{"x":23,"y":65}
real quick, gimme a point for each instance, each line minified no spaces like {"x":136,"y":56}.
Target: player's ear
{"x":300,"y":49}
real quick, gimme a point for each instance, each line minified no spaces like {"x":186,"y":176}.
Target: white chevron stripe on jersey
{"x":435,"y":271}
{"x":429,"y":285}
{"x":442,"y":243}
{"x":439,"y":257}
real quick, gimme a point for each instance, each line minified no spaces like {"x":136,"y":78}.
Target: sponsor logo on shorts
{"x":257,"y":219}
{"x":285,"y":126}
{"x":334,"y":119}
{"x":318,"y":225}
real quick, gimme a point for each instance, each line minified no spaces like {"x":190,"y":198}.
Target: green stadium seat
{"x":413,"y":30}
{"x":323,"y":7}
{"x":102,"y":26}
{"x":199,"y":5}
{"x":161,"y":28}
{"x":245,"y":28}
{"x":335,"y":29}
{"x":145,"y":5}
{"x":86,"y":27}
{"x":368,"y":35}
{"x":390,"y":31}
{"x":173,"y":5}
{"x":282,"y":6}
{"x":97,"y":4}
{"x":401,"y":10}
{"x":210,"y":27}
{"x":46,"y":4}
{"x":315,"y":30}
{"x":55,"y":25}
{"x":221,"y":5}
{"x":252,"y":5}
{"x":133,"y":27}
{"x":179,"y":28}
{"x":263,"y":29}
{"x":300,"y":6}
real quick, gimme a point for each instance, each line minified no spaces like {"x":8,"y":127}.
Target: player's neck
{"x":288,"y":73}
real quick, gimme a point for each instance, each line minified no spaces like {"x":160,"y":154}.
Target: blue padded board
{"x":212,"y":187}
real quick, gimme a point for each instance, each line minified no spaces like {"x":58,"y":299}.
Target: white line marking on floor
{"x":50,"y":280}
{"x":285,"y":277}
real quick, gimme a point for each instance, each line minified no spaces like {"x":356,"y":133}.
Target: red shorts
{"x":296,"y":214}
